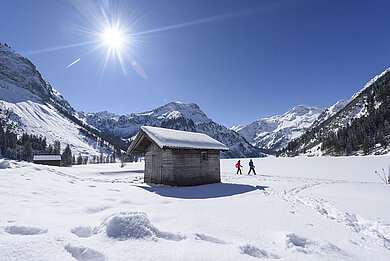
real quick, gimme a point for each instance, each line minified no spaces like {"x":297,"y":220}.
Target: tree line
{"x":25,"y":146}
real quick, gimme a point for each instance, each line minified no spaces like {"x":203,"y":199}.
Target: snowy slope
{"x":294,"y":209}
{"x":35,"y":104}
{"x":329,"y":112}
{"x":174,"y":115}
{"x":273,"y":133}
{"x":346,"y":112}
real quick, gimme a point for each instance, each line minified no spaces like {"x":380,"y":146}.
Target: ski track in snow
{"x":379,"y":232}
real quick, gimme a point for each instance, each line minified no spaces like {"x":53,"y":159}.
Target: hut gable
{"x":180,"y":158}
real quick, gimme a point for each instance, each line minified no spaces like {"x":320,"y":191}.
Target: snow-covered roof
{"x":47,"y":157}
{"x":167,"y":138}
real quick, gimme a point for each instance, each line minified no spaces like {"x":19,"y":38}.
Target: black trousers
{"x":254,"y":172}
{"x":239,"y":170}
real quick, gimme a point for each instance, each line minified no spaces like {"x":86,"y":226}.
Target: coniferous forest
{"x":364,"y":135}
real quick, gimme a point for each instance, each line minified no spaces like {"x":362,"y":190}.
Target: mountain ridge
{"x":360,"y":127}
{"x":39,"y":109}
{"x":173,"y":115}
{"x":274,"y":132}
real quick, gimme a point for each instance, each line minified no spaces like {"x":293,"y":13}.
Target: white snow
{"x":293,"y":209}
{"x":167,"y":138}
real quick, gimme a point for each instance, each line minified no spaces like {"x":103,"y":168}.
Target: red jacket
{"x":238,"y":165}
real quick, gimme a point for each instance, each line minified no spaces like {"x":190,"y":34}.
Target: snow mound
{"x":256,"y":252}
{"x":306,"y":246}
{"x":85,"y":254}
{"x":82,"y":231}
{"x":21,"y":230}
{"x":135,"y":225}
{"x":4,"y":164}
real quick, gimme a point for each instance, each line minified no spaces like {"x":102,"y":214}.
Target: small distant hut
{"x":178,"y":158}
{"x":52,"y":160}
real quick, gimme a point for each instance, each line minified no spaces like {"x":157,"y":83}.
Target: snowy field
{"x":294,"y":209}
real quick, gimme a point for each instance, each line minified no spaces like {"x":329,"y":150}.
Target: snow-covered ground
{"x":294,"y":209}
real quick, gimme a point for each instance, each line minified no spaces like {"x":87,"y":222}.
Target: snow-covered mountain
{"x":174,"y":115}
{"x":36,"y":108}
{"x":360,"y":125}
{"x":329,"y":112}
{"x":273,"y":133}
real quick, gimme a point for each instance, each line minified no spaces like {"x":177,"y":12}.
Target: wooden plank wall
{"x":152,"y":173}
{"x":181,"y":167}
{"x":189,"y":169}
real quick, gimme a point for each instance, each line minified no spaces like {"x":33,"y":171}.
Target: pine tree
{"x":85,"y":160}
{"x":67,"y":156}
{"x":57,"y":147}
{"x":79,"y":159}
{"x":366,"y":145}
{"x":28,"y":151}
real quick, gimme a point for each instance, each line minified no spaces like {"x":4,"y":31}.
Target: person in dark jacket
{"x":238,"y":166}
{"x":251,"y":167}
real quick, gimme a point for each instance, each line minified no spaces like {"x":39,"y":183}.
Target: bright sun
{"x":114,"y":38}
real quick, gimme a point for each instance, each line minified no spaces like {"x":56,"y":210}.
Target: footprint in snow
{"x":82,"y":231}
{"x":84,"y":253}
{"x":97,"y":209}
{"x":257,"y":252}
{"x":22,"y":230}
{"x":209,"y":239}
{"x":115,"y":190}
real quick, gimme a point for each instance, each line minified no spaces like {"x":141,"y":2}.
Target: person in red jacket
{"x":238,"y":166}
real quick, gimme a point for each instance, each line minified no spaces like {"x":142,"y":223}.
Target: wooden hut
{"x":178,"y":158}
{"x":52,"y":160}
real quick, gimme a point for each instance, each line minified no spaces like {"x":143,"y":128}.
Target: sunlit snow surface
{"x":294,"y":209}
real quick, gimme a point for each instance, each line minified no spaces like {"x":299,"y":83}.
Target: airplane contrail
{"x":73,"y":63}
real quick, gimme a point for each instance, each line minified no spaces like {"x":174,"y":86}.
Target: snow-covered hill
{"x":273,"y":133}
{"x":36,"y":107}
{"x":174,"y":115}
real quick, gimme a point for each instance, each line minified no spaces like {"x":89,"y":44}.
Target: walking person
{"x":251,"y":167}
{"x":238,"y":166}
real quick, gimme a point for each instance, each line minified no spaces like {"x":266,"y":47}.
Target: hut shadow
{"x":215,"y":190}
{"x":108,"y":173}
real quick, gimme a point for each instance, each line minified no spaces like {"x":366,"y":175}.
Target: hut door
{"x":156,"y":165}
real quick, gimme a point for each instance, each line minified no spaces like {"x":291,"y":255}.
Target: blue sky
{"x":251,"y":59}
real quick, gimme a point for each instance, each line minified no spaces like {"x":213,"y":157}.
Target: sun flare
{"x":113,"y":38}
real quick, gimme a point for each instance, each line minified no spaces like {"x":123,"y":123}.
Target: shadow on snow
{"x":215,"y":190}
{"x":120,"y":172}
